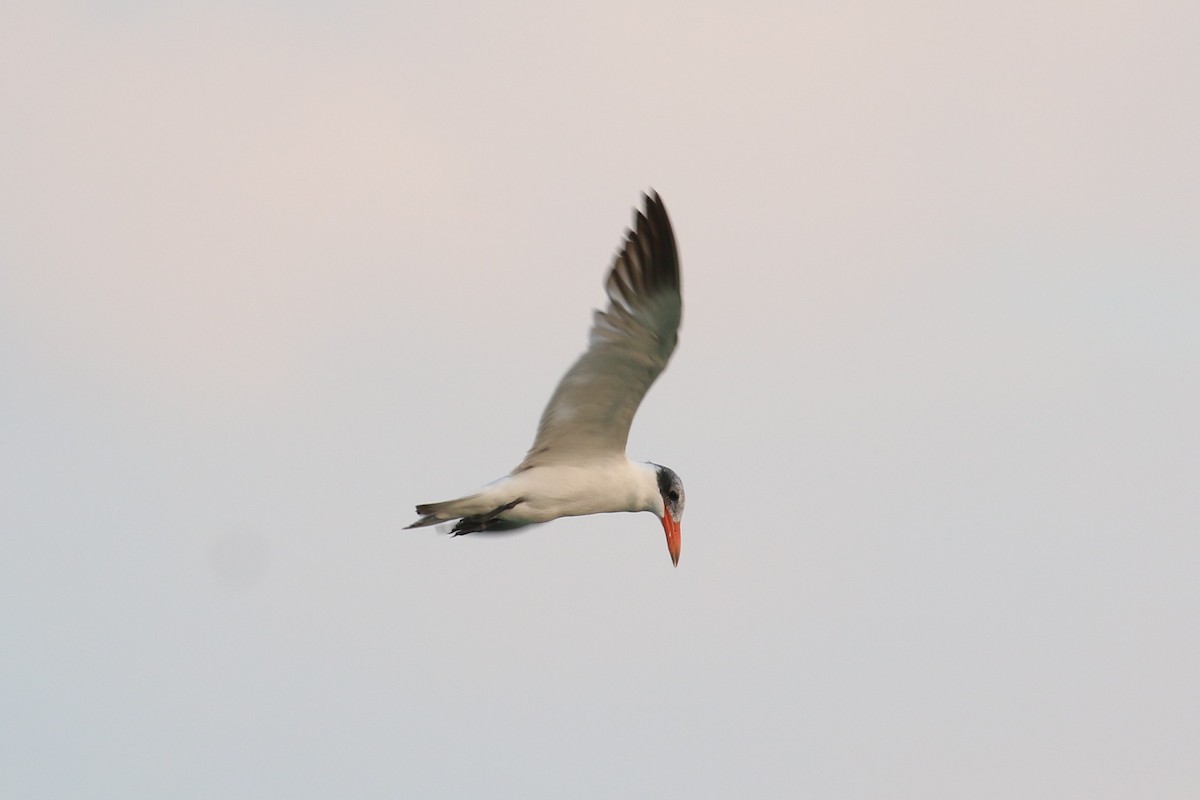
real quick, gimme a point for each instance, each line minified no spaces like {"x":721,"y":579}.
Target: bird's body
{"x":563,"y":490}
{"x":577,"y":464}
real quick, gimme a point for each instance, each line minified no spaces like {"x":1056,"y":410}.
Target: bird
{"x":577,"y":464}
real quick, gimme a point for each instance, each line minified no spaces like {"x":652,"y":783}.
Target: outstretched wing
{"x":591,"y":410}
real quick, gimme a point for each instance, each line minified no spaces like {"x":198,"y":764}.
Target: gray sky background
{"x":270,"y":276}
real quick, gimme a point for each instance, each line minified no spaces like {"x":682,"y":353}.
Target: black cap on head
{"x":671,"y":489}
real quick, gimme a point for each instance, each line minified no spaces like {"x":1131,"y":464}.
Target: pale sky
{"x":271,"y":276}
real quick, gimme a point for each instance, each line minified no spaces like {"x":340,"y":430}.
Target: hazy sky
{"x":270,"y":276}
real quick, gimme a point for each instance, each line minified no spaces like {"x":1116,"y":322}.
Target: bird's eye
{"x":673,"y":496}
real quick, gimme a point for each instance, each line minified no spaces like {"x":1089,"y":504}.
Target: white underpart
{"x":571,"y":490}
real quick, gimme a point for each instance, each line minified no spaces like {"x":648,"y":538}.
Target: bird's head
{"x":671,"y":489}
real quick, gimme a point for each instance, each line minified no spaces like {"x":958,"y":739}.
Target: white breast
{"x":569,"y":490}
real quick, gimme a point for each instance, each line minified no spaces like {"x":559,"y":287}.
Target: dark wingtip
{"x":647,"y":261}
{"x":662,"y":238}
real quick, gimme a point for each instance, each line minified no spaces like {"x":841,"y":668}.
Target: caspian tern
{"x":577,"y":464}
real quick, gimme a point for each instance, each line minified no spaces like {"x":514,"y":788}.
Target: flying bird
{"x":577,"y":464}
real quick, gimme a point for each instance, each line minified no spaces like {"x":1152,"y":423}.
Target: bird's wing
{"x":630,"y":342}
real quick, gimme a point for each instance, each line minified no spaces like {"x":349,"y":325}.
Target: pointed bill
{"x":671,"y":527}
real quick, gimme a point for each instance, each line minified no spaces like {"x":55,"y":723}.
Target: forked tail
{"x":472,"y":515}
{"x":433,"y":513}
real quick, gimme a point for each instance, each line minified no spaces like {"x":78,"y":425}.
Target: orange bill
{"x":673,"y":539}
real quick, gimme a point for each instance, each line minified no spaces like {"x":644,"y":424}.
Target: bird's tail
{"x":433,"y":513}
{"x":474,"y":513}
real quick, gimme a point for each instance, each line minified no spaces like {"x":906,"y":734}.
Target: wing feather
{"x":592,"y":408}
